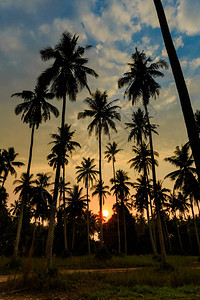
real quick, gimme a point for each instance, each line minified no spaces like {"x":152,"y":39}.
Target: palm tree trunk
{"x":33,"y":240}
{"x":188,"y":232}
{"x":50,"y":236}
{"x":24,"y":199}
{"x":178,"y":232}
{"x":88,"y":221}
{"x":125,"y":237}
{"x":181,"y":86}
{"x":118,"y":227}
{"x":195,"y":224}
{"x":160,"y":232}
{"x":64,"y":212}
{"x":73,"y":234}
{"x":167,"y":234}
{"x":100,"y":190}
{"x":148,"y":218}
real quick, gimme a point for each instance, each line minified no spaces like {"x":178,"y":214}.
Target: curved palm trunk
{"x":24,"y":199}
{"x":160,"y":231}
{"x":195,"y":224}
{"x":118,"y":227}
{"x":88,"y":220}
{"x":50,"y":236}
{"x":100,"y":190}
{"x":64,"y":213}
{"x":181,"y":86}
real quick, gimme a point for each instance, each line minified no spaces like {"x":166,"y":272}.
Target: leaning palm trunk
{"x":24,"y":198}
{"x":160,"y":231}
{"x":195,"y":224}
{"x":50,"y":236}
{"x":118,"y":227}
{"x":181,"y":86}
{"x":100,"y":190}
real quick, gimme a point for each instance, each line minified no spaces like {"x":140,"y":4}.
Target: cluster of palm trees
{"x":67,"y":76}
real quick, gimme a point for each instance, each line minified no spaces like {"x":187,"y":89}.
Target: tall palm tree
{"x":87,"y":173}
{"x":185,"y":178}
{"x":75,"y":208}
{"x":121,"y":188}
{"x":67,"y":76}
{"x":103,"y":113}
{"x":110,"y":154}
{"x":64,"y":140}
{"x":141,"y":84}
{"x":181,"y":86}
{"x":35,"y":109}
{"x":9,"y":163}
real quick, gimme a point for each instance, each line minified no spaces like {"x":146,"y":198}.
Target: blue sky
{"x":114,"y":28}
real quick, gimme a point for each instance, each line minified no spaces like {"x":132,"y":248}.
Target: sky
{"x":114,"y":28}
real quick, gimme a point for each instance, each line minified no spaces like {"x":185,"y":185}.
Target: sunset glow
{"x":105,"y":213}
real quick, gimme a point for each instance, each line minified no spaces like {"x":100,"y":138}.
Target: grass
{"x":147,"y":282}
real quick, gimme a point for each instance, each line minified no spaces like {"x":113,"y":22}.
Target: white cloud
{"x":188,"y":16}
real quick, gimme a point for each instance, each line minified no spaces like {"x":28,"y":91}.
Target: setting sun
{"x":105,"y":213}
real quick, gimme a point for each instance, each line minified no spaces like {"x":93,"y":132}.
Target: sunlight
{"x":105,"y":213}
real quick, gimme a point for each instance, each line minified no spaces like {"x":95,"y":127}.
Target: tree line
{"x":66,"y":77}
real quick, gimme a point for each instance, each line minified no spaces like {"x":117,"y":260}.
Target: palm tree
{"x":103,"y":113}
{"x":87,"y":173}
{"x":35,"y":109}
{"x":40,"y":198}
{"x":64,"y":138}
{"x":67,"y":76}
{"x":121,"y":189}
{"x":141,"y":84}
{"x":9,"y":163}
{"x":76,"y":206}
{"x":185,"y":178}
{"x":181,"y":86}
{"x":110,"y":154}
{"x":139,"y":127}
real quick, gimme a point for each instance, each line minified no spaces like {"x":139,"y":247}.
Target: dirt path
{"x":4,"y":278}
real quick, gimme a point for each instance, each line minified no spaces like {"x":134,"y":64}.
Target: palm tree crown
{"x":68,"y":73}
{"x":35,"y":108}
{"x":103,"y":113}
{"x":140,"y":79}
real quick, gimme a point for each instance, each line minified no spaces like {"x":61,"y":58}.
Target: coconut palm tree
{"x":87,"y":173}
{"x":181,"y":86}
{"x":110,"y":154}
{"x":9,"y":163}
{"x":67,"y":77}
{"x":139,"y":127}
{"x":121,"y":188}
{"x":39,"y":199}
{"x":184,"y":178}
{"x":76,"y":204}
{"x":64,"y":138}
{"x":104,"y":114}
{"x":141,"y":84}
{"x":35,"y":109}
